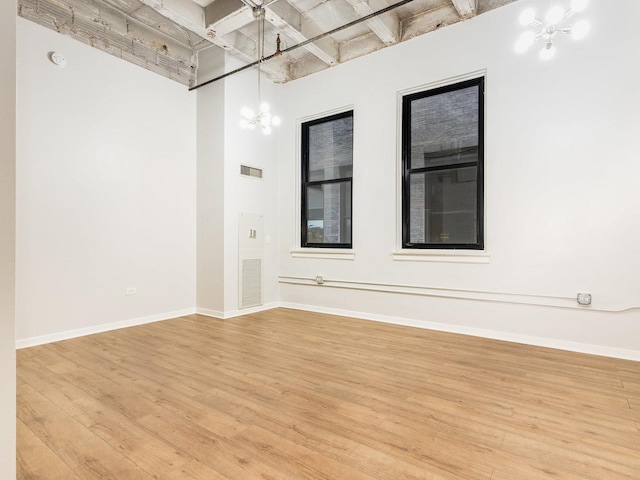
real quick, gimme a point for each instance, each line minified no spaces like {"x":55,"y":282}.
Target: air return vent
{"x":250,"y":255}
{"x":251,"y":278}
{"x":250,"y":171}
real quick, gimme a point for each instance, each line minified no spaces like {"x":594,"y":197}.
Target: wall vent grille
{"x":251,"y":287}
{"x":250,"y":171}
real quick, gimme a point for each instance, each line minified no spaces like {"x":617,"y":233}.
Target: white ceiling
{"x":165,"y":35}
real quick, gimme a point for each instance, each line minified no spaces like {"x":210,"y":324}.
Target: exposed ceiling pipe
{"x":301,"y":44}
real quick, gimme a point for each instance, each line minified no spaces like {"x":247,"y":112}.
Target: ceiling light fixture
{"x":554,"y":22}
{"x":264,"y":119}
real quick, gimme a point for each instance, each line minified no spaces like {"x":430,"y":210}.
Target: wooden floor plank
{"x":37,"y":460}
{"x":85,"y":453}
{"x":291,"y":395}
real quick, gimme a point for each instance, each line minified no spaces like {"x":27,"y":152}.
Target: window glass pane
{"x":331,"y":149}
{"x":443,"y":206}
{"x":329,"y":213}
{"x":444,"y":128}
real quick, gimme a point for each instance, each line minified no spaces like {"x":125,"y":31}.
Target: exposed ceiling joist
{"x":192,"y":16}
{"x":282,"y":15}
{"x":187,"y":14}
{"x":221,"y":18}
{"x":434,"y":20}
{"x":386,"y":27}
{"x":164,"y":36}
{"x":285,"y":18}
{"x":465,"y":8}
{"x":217,"y":10}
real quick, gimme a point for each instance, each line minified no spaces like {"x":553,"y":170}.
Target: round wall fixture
{"x":58,"y":59}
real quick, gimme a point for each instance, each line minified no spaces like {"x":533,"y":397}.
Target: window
{"x":442,"y":155}
{"x":327,"y":170}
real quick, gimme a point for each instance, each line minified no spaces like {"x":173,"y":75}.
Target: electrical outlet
{"x":319,"y":280}
{"x":584,"y":299}
{"x":131,"y":291}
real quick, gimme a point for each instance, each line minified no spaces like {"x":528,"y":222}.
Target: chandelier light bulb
{"x":579,"y":5}
{"x":554,"y":15}
{"x":580,"y":29}
{"x":264,"y":119}
{"x":527,"y":16}
{"x":556,"y":22}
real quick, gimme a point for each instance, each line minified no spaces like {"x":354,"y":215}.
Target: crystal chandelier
{"x":263,"y":119}
{"x":554,"y":21}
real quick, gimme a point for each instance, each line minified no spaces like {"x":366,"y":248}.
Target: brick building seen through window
{"x":327,"y":176}
{"x":442,"y":155}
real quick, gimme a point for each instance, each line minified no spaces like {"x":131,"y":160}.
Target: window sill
{"x":326,"y":253}
{"x":447,"y":256}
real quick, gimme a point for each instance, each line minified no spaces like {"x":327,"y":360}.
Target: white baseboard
{"x":613,"y":352}
{"x":236,"y":313}
{"x":105,"y":327}
{"x":476,"y":332}
{"x":210,"y":313}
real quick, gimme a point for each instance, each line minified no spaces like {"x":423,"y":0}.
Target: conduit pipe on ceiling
{"x":302,"y":44}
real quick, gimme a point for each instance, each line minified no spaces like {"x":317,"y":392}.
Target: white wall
{"x":106,"y":181}
{"x":245,"y":194}
{"x":561,"y":186}
{"x":223,"y":193}
{"x":107,"y":189}
{"x":211,"y":166}
{"x":7,"y":239}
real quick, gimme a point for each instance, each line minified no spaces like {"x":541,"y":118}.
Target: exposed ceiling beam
{"x":219,"y":9}
{"x":192,"y":16}
{"x":225,"y":16}
{"x":282,"y":15}
{"x":287,"y":19}
{"x":126,"y":29}
{"x":465,"y":8}
{"x":429,"y":21}
{"x":386,"y":27}
{"x":187,"y":14}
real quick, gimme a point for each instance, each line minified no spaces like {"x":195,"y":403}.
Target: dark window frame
{"x":305,"y":183}
{"x":407,"y":171}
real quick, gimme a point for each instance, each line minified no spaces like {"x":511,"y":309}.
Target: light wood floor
{"x":284,"y":395}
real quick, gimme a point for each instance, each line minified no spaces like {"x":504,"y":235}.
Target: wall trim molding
{"x":445,"y":256}
{"x":324,"y":253}
{"x":236,"y":313}
{"x":455,"y":293}
{"x":576,"y":347}
{"x":104,"y":327}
